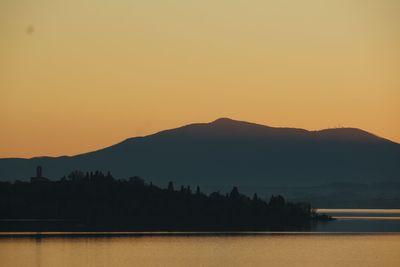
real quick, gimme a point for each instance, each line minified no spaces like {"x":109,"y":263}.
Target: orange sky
{"x":80,"y":75}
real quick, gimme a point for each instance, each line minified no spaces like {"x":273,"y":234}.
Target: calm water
{"x":256,"y":250}
{"x":361,"y":220}
{"x":372,"y":245}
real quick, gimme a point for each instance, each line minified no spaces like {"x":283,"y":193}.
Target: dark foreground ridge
{"x":98,"y":202}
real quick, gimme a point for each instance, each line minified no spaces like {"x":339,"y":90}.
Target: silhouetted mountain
{"x":226,"y":152}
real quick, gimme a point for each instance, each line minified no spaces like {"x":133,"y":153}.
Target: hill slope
{"x":234,"y":152}
{"x":343,"y":167}
{"x":227,"y":152}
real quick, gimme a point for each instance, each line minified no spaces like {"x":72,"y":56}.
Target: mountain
{"x":227,"y":152}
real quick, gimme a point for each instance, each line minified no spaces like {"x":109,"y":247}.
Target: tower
{"x":39,"y":171}
{"x":39,"y":178}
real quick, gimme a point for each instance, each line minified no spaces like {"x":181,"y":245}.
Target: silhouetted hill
{"x":226,"y":152}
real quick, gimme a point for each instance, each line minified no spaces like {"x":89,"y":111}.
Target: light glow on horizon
{"x":76,"y":76}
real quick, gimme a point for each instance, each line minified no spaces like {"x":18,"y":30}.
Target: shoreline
{"x":175,"y":234}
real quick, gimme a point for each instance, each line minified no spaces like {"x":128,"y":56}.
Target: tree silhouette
{"x":234,"y":193}
{"x":198,"y":191}
{"x":171,"y":186}
{"x":94,"y":201}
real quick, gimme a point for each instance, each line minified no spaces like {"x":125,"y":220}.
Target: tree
{"x":234,"y":193}
{"x":277,"y":202}
{"x":136,"y":180}
{"x":188,"y":190}
{"x":198,"y":191}
{"x":171,"y":186}
{"x":255,"y":197}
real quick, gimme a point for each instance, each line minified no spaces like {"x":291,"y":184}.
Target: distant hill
{"x":227,"y":152}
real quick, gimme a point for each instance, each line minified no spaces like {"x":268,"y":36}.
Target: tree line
{"x":96,"y":201}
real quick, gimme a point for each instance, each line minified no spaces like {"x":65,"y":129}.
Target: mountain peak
{"x":231,"y":122}
{"x":235,"y":125}
{"x":223,"y":120}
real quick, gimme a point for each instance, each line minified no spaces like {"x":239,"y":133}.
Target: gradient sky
{"x":79,"y":75}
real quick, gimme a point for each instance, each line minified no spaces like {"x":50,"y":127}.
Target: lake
{"x":356,"y":238}
{"x":361,"y":221}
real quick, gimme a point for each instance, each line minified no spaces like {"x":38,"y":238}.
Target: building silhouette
{"x":39,"y":177}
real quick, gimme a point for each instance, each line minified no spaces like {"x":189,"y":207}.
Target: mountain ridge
{"x":229,"y":124}
{"x":224,"y":122}
{"x":298,"y":163}
{"x":227,"y":152}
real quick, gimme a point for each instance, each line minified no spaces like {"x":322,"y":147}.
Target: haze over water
{"x":361,"y":221}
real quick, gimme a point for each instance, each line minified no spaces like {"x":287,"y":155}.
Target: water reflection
{"x":38,"y":251}
{"x":218,"y":249}
{"x":245,"y":250}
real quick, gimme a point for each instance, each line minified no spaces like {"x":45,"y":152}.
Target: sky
{"x":80,"y":75}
